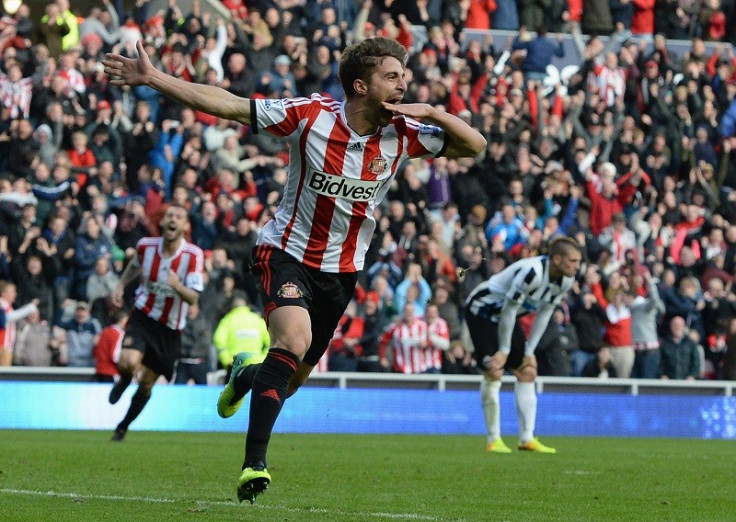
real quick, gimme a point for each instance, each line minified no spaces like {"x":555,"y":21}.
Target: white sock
{"x":526,"y":409}
{"x":489,"y":394}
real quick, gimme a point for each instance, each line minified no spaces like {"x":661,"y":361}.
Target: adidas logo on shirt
{"x":355,"y":147}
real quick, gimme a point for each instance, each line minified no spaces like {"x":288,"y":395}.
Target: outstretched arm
{"x":465,"y":141}
{"x":205,"y":98}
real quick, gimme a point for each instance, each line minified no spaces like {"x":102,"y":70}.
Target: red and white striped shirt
{"x":8,"y":318}
{"x":611,"y":83}
{"x":336,"y":177}
{"x":154,"y":296}
{"x":74,"y":81}
{"x":438,"y":335}
{"x":408,"y":342}
{"x":16,"y":96}
{"x":7,"y":327}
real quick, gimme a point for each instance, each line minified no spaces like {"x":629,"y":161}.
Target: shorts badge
{"x":289,"y":291}
{"x":378,"y":165}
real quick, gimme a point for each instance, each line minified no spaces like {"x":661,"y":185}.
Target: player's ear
{"x":360,"y":86}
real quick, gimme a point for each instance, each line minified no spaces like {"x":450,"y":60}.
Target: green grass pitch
{"x":81,"y":476}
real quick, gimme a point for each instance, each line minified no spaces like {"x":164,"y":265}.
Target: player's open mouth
{"x":394,"y":100}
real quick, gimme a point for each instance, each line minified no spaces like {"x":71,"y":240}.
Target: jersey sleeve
{"x":279,"y":118}
{"x":194,"y":278}
{"x":424,"y":140}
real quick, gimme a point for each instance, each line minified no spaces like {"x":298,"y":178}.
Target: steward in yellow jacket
{"x":241,"y":330}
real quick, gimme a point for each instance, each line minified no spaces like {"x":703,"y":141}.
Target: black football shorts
{"x":158,"y":343}
{"x":287,"y":282}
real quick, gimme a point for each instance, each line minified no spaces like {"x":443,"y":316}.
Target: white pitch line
{"x":154,"y":500}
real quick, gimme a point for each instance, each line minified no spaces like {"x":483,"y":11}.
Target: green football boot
{"x":252,"y":482}
{"x":230,"y":401}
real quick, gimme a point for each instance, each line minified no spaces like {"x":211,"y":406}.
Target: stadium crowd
{"x":632,"y":154}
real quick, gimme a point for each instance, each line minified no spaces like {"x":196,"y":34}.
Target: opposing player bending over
{"x":491,"y":311}
{"x":343,"y":158}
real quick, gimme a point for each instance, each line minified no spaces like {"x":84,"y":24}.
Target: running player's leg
{"x":282,"y":283}
{"x":291,"y":313}
{"x":320,"y":324}
{"x":138,"y":402}
{"x":331,"y":295}
{"x":290,"y":338}
{"x":156,"y":350}
{"x":128,"y":365}
{"x":239,"y":383}
{"x":286,"y":290}
{"x":289,"y":327}
{"x":299,"y":378}
{"x":131,"y":354}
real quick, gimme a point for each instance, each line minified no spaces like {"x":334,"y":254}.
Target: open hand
{"x":128,"y":71}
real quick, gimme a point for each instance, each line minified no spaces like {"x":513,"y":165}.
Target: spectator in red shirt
{"x":479,"y":14}
{"x":606,"y":196}
{"x":575,"y":10}
{"x":107,"y":350}
{"x":642,"y":23}
{"x":345,"y":345}
{"x":83,"y":161}
{"x":618,"y":330}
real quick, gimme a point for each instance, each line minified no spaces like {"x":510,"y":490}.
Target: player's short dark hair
{"x":359,"y":60}
{"x":563,"y":245}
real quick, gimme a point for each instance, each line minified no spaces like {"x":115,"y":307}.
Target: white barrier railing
{"x":442,"y":382}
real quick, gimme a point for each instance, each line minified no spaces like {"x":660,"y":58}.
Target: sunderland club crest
{"x":289,"y":291}
{"x":378,"y":165}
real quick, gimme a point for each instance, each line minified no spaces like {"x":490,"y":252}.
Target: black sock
{"x":125,"y":378}
{"x":243,"y":381}
{"x":269,"y":392}
{"x":119,"y":387}
{"x":137,"y":403}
